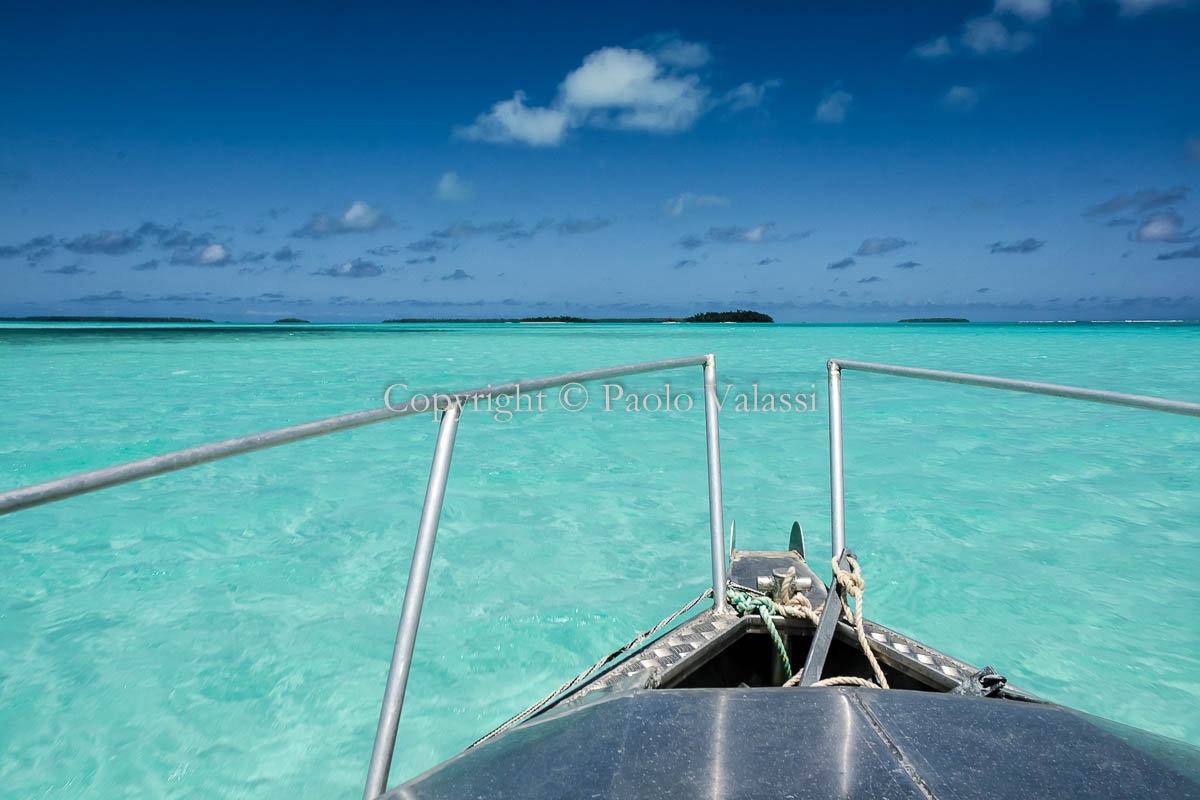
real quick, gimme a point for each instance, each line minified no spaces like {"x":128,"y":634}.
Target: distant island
{"x":936,"y":319}
{"x":525,"y":319}
{"x":102,"y":319}
{"x":708,"y":316}
{"x":741,"y":315}
{"x":730,"y":316}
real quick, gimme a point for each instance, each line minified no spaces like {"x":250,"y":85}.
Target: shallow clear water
{"x":225,"y":631}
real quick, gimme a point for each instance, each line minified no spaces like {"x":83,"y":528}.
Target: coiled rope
{"x":745,"y":603}
{"x":795,"y":604}
{"x":856,"y":588}
{"x":792,"y":604}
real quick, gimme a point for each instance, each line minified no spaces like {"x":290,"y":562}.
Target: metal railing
{"x":450,"y":405}
{"x":837,"y":487}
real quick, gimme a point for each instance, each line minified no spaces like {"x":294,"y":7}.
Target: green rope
{"x":746,"y":603}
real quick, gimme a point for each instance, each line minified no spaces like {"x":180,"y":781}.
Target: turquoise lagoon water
{"x":225,"y":631}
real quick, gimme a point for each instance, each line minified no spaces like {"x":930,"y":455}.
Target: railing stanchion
{"x":837,"y":489}
{"x":410,"y":614}
{"x":716,"y":514}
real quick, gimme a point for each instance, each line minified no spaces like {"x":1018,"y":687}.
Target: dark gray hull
{"x":813,"y":743}
{"x":699,"y":712}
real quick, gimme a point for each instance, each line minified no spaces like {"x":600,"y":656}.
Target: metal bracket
{"x":985,"y":683}
{"x":773,"y":584}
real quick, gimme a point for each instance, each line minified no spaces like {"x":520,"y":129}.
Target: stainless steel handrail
{"x":451,"y":405}
{"x":410,"y":613}
{"x":393,"y":698}
{"x":837,"y":489}
{"x":62,"y":488}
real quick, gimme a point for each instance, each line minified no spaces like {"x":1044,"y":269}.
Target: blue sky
{"x":1017,"y":159}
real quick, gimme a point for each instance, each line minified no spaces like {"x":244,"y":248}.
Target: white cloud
{"x":757,"y":233}
{"x":734,"y":233}
{"x":1132,"y":8}
{"x":988,"y":35}
{"x":834,"y":106}
{"x":1166,"y":226}
{"x":512,"y":121}
{"x":934,"y":49}
{"x":357,"y":268}
{"x":213,"y":255}
{"x":996,"y":32}
{"x":960,"y":98}
{"x":675,"y":52}
{"x":629,"y":89}
{"x":685,"y":201}
{"x":655,"y":90}
{"x":749,"y":95}
{"x":453,"y":189}
{"x":360,"y":217}
{"x":1028,"y":10}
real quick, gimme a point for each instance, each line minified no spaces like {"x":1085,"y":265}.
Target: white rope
{"x":855,"y":587}
{"x":793,"y":603}
{"x":847,"y":680}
